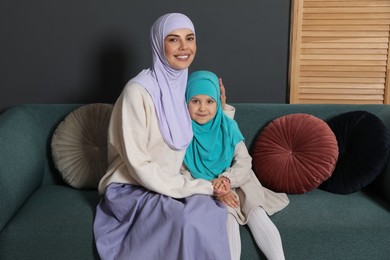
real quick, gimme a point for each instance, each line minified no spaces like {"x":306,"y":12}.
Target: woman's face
{"x":202,"y":108}
{"x":180,"y":48}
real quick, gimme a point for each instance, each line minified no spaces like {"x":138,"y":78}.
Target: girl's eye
{"x":191,"y":38}
{"x":211,"y":101}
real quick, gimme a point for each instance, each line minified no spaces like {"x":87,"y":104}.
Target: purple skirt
{"x":134,"y":223}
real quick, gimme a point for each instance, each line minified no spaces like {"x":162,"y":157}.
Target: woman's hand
{"x":229,"y":199}
{"x":223,"y":93}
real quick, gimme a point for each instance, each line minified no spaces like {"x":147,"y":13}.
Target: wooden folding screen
{"x":339,"y":51}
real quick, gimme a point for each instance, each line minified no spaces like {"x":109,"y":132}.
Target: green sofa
{"x":41,"y":217}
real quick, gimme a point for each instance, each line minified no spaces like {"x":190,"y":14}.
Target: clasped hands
{"x":223,"y":192}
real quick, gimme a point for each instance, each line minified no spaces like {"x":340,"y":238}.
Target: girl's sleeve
{"x":131,"y":134}
{"x":241,"y":168}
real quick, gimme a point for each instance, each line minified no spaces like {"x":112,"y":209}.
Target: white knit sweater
{"x":137,"y":153}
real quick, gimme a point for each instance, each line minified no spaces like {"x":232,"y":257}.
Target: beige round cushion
{"x":79,"y":145}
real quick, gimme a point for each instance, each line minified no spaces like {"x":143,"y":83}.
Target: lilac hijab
{"x":166,"y":85}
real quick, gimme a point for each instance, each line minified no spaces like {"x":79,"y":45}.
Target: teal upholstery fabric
{"x":249,"y":250}
{"x":25,"y":161}
{"x":56,"y":223}
{"x":47,"y":117}
{"x":325,"y":225}
{"x":382,"y":183}
{"x":41,"y":217}
{"x":19,"y":136}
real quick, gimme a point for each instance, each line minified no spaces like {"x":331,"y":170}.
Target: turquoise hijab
{"x":211,"y":150}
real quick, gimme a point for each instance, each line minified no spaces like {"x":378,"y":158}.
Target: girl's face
{"x":202,"y":108}
{"x":180,"y":48}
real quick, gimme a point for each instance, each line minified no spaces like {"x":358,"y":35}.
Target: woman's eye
{"x":171,"y":39}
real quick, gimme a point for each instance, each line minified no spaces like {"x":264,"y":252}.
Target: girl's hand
{"x":229,"y":199}
{"x":221,"y":186}
{"x":223,"y":93}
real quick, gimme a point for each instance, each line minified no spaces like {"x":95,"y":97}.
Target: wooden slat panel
{"x":387,"y":80}
{"x":345,"y":74}
{"x":343,"y":27}
{"x":344,"y":68}
{"x":342,"y":80}
{"x":345,"y":34}
{"x":346,"y":3}
{"x":349,"y":39}
{"x":336,"y":45}
{"x":346,"y":22}
{"x":341,"y":91}
{"x":340,"y":51}
{"x":357,"y":16}
{"x":344,"y":51}
{"x":339,"y":101}
{"x":344,"y":62}
{"x":342,"y":97}
{"x":347,"y":10}
{"x":346,"y":85}
{"x":342,"y":1}
{"x":343,"y":57}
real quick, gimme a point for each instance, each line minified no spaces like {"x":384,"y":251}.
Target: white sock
{"x":233,"y":230}
{"x":266,"y":234}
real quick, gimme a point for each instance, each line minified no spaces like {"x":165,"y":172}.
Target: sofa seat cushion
{"x":295,"y":153}
{"x":349,"y":226}
{"x":55,"y":221}
{"x":364,"y":147}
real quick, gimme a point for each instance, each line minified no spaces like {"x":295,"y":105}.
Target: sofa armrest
{"x":382,"y":183}
{"x":21,"y":160}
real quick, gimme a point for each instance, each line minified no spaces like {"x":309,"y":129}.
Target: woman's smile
{"x":180,"y":48}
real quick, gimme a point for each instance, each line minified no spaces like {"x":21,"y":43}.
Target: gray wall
{"x":81,"y":51}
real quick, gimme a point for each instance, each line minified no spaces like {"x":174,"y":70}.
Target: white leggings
{"x":264,"y":231}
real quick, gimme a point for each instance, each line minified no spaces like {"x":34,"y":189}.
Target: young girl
{"x":149,"y":210}
{"x":217,"y":153}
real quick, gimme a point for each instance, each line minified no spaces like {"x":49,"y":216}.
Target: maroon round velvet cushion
{"x":295,"y":153}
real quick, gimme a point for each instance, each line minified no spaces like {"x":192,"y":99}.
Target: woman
{"x":149,"y":210}
{"x":218,"y":153}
